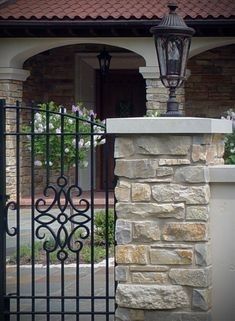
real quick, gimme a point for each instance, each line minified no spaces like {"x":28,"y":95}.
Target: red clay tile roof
{"x":114,"y":9}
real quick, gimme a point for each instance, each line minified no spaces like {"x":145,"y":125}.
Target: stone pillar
{"x":163,"y":252}
{"x":11,"y":89}
{"x":156,"y":93}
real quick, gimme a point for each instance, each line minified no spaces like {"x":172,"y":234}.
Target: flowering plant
{"x":153,"y":113}
{"x":76,"y":127}
{"x":229,"y":152}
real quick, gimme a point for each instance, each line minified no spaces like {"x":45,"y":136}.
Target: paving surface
{"x":70,"y":305}
{"x":55,"y":290}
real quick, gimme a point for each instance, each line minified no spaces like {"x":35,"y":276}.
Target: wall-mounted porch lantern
{"x":104,"y":61}
{"x":172,"y":40}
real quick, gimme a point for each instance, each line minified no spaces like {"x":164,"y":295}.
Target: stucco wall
{"x":223,"y":241}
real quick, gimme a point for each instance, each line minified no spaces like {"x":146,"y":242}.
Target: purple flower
{"x":75,"y":108}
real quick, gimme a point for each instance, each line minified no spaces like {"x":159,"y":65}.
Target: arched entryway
{"x":70,"y":74}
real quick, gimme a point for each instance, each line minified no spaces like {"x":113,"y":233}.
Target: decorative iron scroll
{"x":62,"y":239}
{"x":10,"y":206}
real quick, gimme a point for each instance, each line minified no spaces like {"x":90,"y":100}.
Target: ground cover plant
{"x":102,"y":236}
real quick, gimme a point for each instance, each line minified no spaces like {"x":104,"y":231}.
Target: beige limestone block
{"x":146,"y":231}
{"x":198,"y":153}
{"x":149,"y":268}
{"x":149,"y":278}
{"x":135,"y":168}
{"x":132,"y":254}
{"x":173,"y":162}
{"x":123,"y":191}
{"x":185,"y":232}
{"x":191,"y":277}
{"x":171,"y":246}
{"x":197,"y":213}
{"x":211,"y":154}
{"x":164,"y":171}
{"x":151,"y":297}
{"x":140,"y":192}
{"x":150,"y":210}
{"x":163,"y":145}
{"x":181,"y":193}
{"x":171,"y":257}
{"x":124,"y":147}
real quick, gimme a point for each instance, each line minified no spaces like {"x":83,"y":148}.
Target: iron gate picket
{"x":59,"y":218}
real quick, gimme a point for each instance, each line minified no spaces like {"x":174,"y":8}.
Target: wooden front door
{"x":119,"y":94}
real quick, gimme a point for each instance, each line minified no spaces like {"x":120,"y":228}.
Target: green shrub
{"x":104,"y":232}
{"x":229,"y":152}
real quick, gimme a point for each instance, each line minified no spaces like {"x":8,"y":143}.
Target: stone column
{"x":163,"y":253}
{"x":11,"y":89}
{"x":156,"y":93}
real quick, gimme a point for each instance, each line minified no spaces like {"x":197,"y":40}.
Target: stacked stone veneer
{"x":157,"y":96}
{"x":11,"y":91}
{"x":162,"y":232}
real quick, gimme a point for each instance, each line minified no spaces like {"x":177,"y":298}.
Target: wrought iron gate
{"x":47,"y":223}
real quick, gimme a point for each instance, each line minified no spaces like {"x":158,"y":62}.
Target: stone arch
{"x":209,"y":91}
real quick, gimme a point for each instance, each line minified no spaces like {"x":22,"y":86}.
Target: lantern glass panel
{"x":186,"y":46}
{"x":161,"y":52}
{"x":174,"y":52}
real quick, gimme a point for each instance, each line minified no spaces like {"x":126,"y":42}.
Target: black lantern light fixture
{"x":172,"y":40}
{"x":104,"y":61}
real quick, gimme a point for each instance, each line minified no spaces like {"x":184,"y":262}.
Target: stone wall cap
{"x":222,"y":174}
{"x":168,"y":125}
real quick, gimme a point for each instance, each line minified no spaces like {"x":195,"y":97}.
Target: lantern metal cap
{"x":172,"y":23}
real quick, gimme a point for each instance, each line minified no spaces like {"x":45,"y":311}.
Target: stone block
{"x":149,"y":268}
{"x":135,"y":168}
{"x":202,"y":299}
{"x":140,"y":192}
{"x":124,"y":147}
{"x":197,"y":316}
{"x":171,"y":257}
{"x":122,"y":314}
{"x":191,"y":277}
{"x":150,"y":278}
{"x":164,"y":171}
{"x":197,"y":213}
{"x":173,"y":162}
{"x":123,"y":191}
{"x":123,"y":232}
{"x":203,"y":256}
{"x":132,"y":254}
{"x":145,"y":231}
{"x":151,"y":297}
{"x":198,"y":153}
{"x":121,"y":273}
{"x":180,"y":193}
{"x":191,"y":174}
{"x":150,"y":210}
{"x":163,"y":145}
{"x":176,"y":316}
{"x":189,"y":232}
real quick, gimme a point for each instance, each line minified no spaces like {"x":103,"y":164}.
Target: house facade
{"x":49,"y":52}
